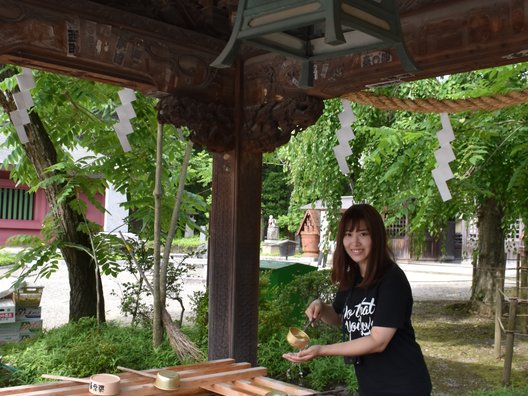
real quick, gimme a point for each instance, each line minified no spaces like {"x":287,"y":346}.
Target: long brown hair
{"x":345,"y":271}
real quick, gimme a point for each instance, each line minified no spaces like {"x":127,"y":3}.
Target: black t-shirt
{"x":400,"y":369}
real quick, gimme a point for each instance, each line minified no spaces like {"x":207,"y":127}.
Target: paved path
{"x":429,"y":280}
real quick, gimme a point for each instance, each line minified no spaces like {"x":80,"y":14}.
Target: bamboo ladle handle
{"x":62,"y":378}
{"x":137,"y":372}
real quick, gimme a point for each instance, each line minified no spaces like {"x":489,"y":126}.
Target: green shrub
{"x":269,"y":355}
{"x":330,"y":373}
{"x":200,"y":318}
{"x":319,"y":374}
{"x":276,"y":315}
{"x":81,"y":349}
{"x":284,"y":305}
{"x":133,"y":292}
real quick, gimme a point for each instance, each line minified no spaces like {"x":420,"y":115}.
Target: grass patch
{"x":458,"y":348}
{"x":186,"y":245}
{"x":6,"y":257}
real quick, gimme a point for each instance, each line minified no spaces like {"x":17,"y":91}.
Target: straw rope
{"x":432,"y":105}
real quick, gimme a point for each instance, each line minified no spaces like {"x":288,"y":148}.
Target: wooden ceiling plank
{"x":91,"y":41}
{"x":96,"y":41}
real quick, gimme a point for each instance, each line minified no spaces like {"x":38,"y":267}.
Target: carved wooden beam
{"x":97,"y":41}
{"x":93,"y":41}
{"x":265,"y":127}
{"x":211,"y":124}
{"x":274,"y":106}
{"x":442,"y":37}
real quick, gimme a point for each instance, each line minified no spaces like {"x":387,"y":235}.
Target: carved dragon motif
{"x":266,"y":126}
{"x":271,"y":124}
{"x":211,"y":124}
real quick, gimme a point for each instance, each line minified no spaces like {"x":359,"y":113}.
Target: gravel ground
{"x":429,"y":281}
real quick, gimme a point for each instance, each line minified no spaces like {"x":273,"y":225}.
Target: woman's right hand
{"x":314,"y":310}
{"x":318,"y":310}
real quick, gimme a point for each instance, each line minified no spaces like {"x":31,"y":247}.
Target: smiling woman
{"x":373,"y":306}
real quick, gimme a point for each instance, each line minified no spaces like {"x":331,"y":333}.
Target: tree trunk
{"x":83,"y":293}
{"x":81,"y":271}
{"x":157,"y":324}
{"x":490,"y":265}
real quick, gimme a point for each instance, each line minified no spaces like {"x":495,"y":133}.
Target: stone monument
{"x":273,"y":231}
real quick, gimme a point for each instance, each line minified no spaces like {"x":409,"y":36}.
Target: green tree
{"x":71,"y":113}
{"x":276,"y":190}
{"x":393,"y":156}
{"x":312,"y":169}
{"x":36,"y":163}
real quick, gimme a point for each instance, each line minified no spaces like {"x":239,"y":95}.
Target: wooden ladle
{"x":99,"y":384}
{"x":164,"y":379}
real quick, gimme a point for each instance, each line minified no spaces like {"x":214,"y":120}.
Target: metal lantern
{"x":316,"y":29}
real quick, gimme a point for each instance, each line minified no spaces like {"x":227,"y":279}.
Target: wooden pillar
{"x":234,"y":245}
{"x":510,"y":335}
{"x":233,"y":270}
{"x":498,"y":322}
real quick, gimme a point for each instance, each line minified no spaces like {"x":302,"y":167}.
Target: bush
{"x":284,"y":306}
{"x":320,"y":374}
{"x":82,"y":349}
{"x":200,"y":318}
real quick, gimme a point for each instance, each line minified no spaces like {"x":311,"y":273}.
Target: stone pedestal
{"x":284,"y":248}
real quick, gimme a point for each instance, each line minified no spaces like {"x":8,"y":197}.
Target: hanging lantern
{"x":313,"y":30}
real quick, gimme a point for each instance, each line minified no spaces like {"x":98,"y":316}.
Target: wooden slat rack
{"x":216,"y":377}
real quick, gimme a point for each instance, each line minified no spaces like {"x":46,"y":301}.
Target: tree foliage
{"x":393,"y":155}
{"x":78,"y":117}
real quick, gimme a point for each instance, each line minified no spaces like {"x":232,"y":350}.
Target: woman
{"x":374,"y":306}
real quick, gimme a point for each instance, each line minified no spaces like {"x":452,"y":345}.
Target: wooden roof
{"x":165,"y":46}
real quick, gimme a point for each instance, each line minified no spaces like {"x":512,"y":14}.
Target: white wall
{"x":4,"y":151}
{"x":114,"y":220}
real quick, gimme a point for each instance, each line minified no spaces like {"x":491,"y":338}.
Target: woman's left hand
{"x":303,"y":356}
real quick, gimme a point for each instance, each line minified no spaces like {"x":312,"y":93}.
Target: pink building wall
{"x":9,"y":228}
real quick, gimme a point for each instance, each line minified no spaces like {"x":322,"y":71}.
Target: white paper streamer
{"x":123,"y":128}
{"x":441,"y":183}
{"x":123,"y":140}
{"x":444,"y":155}
{"x":127,"y":95}
{"x":25,"y":80}
{"x":23,"y":101}
{"x":22,"y":135}
{"x":19,"y":117}
{"x":344,"y":135}
{"x":125,"y":112}
{"x":442,"y":173}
